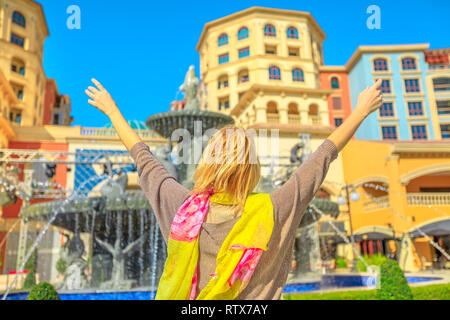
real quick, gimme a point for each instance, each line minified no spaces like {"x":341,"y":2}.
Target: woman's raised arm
{"x":369,"y":100}
{"x":102,"y":100}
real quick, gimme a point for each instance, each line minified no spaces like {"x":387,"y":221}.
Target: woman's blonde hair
{"x":229,"y":164}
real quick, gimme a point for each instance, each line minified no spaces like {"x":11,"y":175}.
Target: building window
{"x":274,"y":73}
{"x":271,"y":50}
{"x":270,"y":31}
{"x":419,"y":132}
{"x":18,"y":90}
{"x":292,"y":33}
{"x":297,"y":75}
{"x":243,"y":76}
{"x":412,"y":85}
{"x":18,"y":66}
{"x":222,"y":40}
{"x":56,"y":118}
{"x":224,"y":103}
{"x":293,"y":52}
{"x":18,"y":40}
{"x":380,"y":65}
{"x":415,"y":108}
{"x":441,"y":84}
{"x":15,"y":116}
{"x":443,"y":107}
{"x":243,"y":33}
{"x":389,"y":132}
{"x":337,"y":103}
{"x":386,"y":86}
{"x":222,"y":82}
{"x":338,"y":122}
{"x":244,"y":52}
{"x":19,"y":19}
{"x":445,"y":131}
{"x":224,"y":58}
{"x":387,"y":110}
{"x":409,"y":64}
{"x":335,"y":83}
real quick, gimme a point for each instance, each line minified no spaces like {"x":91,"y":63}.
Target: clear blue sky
{"x":141,"y":50}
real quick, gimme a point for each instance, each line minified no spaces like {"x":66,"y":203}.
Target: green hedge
{"x":341,"y":263}
{"x":431,"y":292}
{"x":374,"y":260}
{"x":393,"y":283}
{"x":43,"y":291}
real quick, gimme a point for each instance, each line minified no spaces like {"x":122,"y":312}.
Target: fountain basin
{"x":328,"y":282}
{"x":167,"y":122}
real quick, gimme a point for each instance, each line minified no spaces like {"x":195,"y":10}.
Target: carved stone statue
{"x":71,"y":253}
{"x":118,"y":278}
{"x":190,"y":88}
{"x":162,"y":154}
{"x":115,"y":188}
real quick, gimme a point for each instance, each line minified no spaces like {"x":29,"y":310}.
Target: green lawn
{"x":433,"y":292}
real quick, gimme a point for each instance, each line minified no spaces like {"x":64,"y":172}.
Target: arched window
{"x":313,"y":110}
{"x":243,"y":33}
{"x":274,"y":73}
{"x":18,"y":19}
{"x":222,"y":82}
{"x":293,"y":108}
{"x":292,"y":33}
{"x":334,"y":83}
{"x":222,"y":40}
{"x":272,"y":107}
{"x":409,"y":64}
{"x":380,"y":65}
{"x":270,"y":31}
{"x":243,"y":76}
{"x":297,"y":75}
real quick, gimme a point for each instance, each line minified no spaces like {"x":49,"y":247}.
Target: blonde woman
{"x":223,"y":241}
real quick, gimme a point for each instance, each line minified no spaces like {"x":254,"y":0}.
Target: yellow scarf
{"x":249,"y":236}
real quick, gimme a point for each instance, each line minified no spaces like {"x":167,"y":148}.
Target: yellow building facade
{"x":23,"y":30}
{"x":7,"y":100}
{"x":404,"y":190}
{"x":261,"y":66}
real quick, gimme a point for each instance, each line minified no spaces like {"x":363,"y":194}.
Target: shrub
{"x":43,"y":291}
{"x":393,"y":283}
{"x":30,"y":266}
{"x":374,"y":260}
{"x":341,"y":263}
{"x":61,"y":266}
{"x":430,"y":292}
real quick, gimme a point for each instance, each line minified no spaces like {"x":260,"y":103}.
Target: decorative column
{"x":283,"y":109}
{"x":260,"y":109}
{"x":303,"y":110}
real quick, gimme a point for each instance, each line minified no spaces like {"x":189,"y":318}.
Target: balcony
{"x":379,"y":203}
{"x":108,"y":132}
{"x":294,"y":119}
{"x":429,"y":199}
{"x":273,"y":118}
{"x":315,"y":120}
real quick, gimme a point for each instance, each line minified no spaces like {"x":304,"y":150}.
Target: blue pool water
{"x":328,"y":282}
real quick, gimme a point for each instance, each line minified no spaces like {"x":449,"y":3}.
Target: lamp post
{"x":354,"y":196}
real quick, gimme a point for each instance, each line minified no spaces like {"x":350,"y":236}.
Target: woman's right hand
{"x":101,"y":99}
{"x":370,"y":99}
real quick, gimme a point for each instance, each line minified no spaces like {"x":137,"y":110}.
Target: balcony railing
{"x":377,"y":203}
{"x":429,"y":199}
{"x":294,"y":119}
{"x":315,"y":120}
{"x":273,"y":118}
{"x":109,"y":132}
